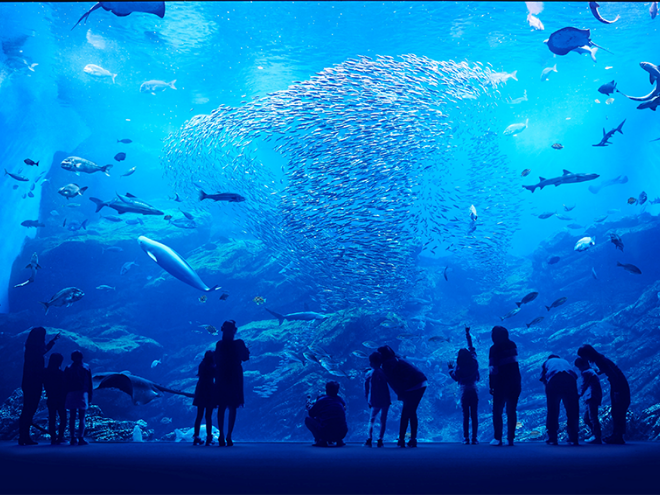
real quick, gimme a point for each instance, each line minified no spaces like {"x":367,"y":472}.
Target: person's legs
{"x":620,"y":404}
{"x":52,"y":425}
{"x":465,"y":406}
{"x":31,"y":398}
{"x":498,"y":409}
{"x":572,"y":405}
{"x":198,"y":421}
{"x":511,"y":415}
{"x":474,"y":401}
{"x":62,"y":413}
{"x":372,"y":419}
{"x":209,"y":425}
{"x":231,"y":420}
{"x":315,"y":427}
{"x":221,"y":425}
{"x":415,"y":398}
{"x":81,"y":422}
{"x":72,"y":425}
{"x":383,"y":422}
{"x":594,"y":420}
{"x":553,"y":400}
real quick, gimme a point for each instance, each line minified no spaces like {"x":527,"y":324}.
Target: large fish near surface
{"x":156,"y":85}
{"x":654,"y":77}
{"x":567,"y":178}
{"x":34,"y":266}
{"x":126,"y":204}
{"x":98,"y":71}
{"x":122,"y":9}
{"x":514,"y":129}
{"x":65,"y":297}
{"x":302,"y":316}
{"x":170,"y":261}
{"x":76,"y":165}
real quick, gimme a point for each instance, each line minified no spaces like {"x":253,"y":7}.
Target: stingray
{"x":568,"y":39}
{"x":122,"y":9}
{"x":141,"y":390}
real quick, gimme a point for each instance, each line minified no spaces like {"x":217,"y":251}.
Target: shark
{"x":126,"y":204}
{"x":302,"y":316}
{"x":34,"y":265}
{"x":566,"y":178}
{"x":654,"y":77}
{"x":609,"y":134}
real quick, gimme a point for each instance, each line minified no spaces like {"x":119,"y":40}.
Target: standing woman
{"x":32,"y":383}
{"x":204,"y":398}
{"x":505,"y":383}
{"x":619,"y":391}
{"x":229,"y":354}
{"x":409,"y":383}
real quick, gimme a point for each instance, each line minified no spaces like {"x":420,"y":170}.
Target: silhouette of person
{"x":205,"y":398}
{"x":228,"y":355}
{"x":32,"y":382}
{"x":560,"y":386}
{"x":466,"y":374}
{"x":78,"y":383}
{"x":327,"y":417}
{"x":504,"y":382}
{"x":377,"y":393}
{"x":619,"y":391}
{"x":56,"y":394}
{"x":409,"y":384}
{"x":592,"y":393}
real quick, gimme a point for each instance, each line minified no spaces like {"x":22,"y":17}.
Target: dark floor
{"x":299,"y":468}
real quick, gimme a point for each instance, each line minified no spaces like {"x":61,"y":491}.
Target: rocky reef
{"x":157,"y":327}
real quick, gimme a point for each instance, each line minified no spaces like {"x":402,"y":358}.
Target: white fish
{"x":609,"y":101}
{"x":473,"y":213}
{"x":584,"y":243}
{"x":587,"y":49}
{"x":535,"y":22}
{"x":502,"y":77}
{"x":155,"y":363}
{"x":95,"y":70}
{"x":597,"y":100}
{"x":519,"y":100}
{"x":534,"y":7}
{"x":545,"y":73}
{"x":153,"y":86}
{"x":95,"y":40}
{"x":515,"y":128}
{"x":593,"y":273}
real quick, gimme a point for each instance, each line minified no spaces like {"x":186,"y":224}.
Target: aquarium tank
{"x":334,"y":177}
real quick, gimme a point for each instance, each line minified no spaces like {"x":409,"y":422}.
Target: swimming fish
{"x":17,"y":177}
{"x":557,"y":303}
{"x":154,"y":86}
{"x":608,"y":88}
{"x":230,"y":197}
{"x":27,"y":161}
{"x":525,"y":172}
{"x":124,"y":141}
{"x":120,"y":156}
{"x":65,"y":297}
{"x":511,"y":313}
{"x":98,"y":71}
{"x":76,"y":165}
{"x":535,"y":321}
{"x":554,"y":259}
{"x":170,"y":261}
{"x":557,"y":146}
{"x":629,"y":268}
{"x":616,"y":240}
{"x":514,"y":129}
{"x":528,"y":298}
{"x":545,"y":73}
{"x":584,"y":244}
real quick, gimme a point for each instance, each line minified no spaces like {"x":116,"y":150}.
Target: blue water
{"x":240,"y":55}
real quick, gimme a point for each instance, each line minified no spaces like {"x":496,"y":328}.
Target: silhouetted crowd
{"x":220,"y":385}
